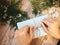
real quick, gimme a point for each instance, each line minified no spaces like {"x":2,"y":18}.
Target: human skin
{"x":23,"y":36}
{"x":52,"y":28}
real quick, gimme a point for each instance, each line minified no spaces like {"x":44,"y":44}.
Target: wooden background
{"x":6,"y":34}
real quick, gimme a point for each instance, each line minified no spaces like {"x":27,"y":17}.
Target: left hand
{"x":25,"y":35}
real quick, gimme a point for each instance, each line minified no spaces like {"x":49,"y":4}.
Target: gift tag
{"x":36,"y":23}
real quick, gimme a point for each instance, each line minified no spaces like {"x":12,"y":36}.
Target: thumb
{"x":16,"y":33}
{"x":26,"y":29}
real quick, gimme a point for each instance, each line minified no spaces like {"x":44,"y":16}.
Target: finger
{"x":46,"y":22}
{"x":16,"y":33}
{"x":43,"y":26}
{"x":26,"y":29}
{"x":52,"y":20}
{"x":31,"y":33}
{"x":21,"y":30}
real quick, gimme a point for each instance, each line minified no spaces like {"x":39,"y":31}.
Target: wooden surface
{"x":6,"y":34}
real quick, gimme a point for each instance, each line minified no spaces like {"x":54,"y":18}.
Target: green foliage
{"x":40,"y":5}
{"x":10,"y":12}
{"x":56,"y":3}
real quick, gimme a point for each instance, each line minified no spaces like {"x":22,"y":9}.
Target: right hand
{"x":51,"y":27}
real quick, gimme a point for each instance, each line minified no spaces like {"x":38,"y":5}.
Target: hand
{"x":25,"y":35}
{"x":51,"y":27}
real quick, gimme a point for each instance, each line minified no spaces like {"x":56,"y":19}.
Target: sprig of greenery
{"x":10,"y":12}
